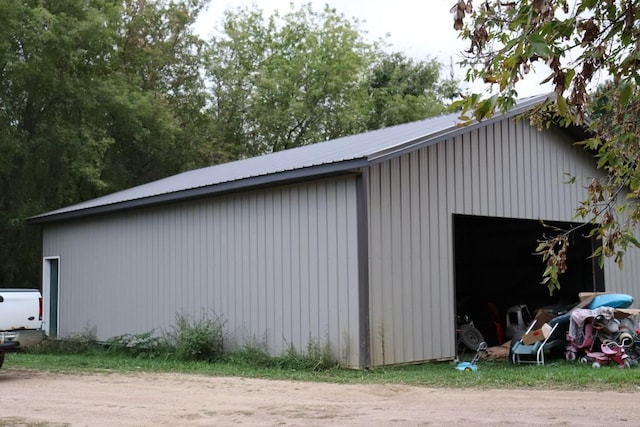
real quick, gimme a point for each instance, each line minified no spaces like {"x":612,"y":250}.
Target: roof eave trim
{"x":320,"y":171}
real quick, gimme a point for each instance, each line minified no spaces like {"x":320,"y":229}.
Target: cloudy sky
{"x":421,"y":29}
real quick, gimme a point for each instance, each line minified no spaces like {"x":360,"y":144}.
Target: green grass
{"x":554,"y":375}
{"x":21,"y":422}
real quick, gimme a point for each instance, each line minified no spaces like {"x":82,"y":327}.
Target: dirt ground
{"x":33,"y":398}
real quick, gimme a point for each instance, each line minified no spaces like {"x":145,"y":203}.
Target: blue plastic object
{"x":611,"y":300}
{"x":466,"y":366}
{"x":471,"y":366}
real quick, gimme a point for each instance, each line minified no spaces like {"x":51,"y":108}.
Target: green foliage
{"x":401,"y":90}
{"x":95,"y":96}
{"x":288,"y":80}
{"x":580,"y":43}
{"x":252,"y":354}
{"x":192,"y":340}
{"x":77,"y":344}
{"x":197,"y":339}
{"x":317,"y":357}
{"x":160,"y":126}
{"x":145,"y":345}
{"x":308,"y":76}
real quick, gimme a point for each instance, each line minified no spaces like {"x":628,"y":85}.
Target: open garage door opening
{"x":497,"y":273}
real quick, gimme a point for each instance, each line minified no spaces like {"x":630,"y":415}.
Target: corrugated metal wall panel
{"x":279,"y":266}
{"x":626,"y":280}
{"x":508,"y":169}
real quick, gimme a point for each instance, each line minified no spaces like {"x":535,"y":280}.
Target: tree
{"x":51,"y":143}
{"x":289,"y":80}
{"x":402,"y":90}
{"x":582,"y":42}
{"x":159,"y":122}
{"x":308,"y":76}
{"x":95,"y":96}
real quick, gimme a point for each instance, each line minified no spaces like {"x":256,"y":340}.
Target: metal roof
{"x":324,"y":158}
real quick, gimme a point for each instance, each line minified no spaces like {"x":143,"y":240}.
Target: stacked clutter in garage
{"x":605,"y":334}
{"x":600,"y":330}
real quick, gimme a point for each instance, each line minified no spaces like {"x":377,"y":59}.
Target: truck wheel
{"x":1,"y":359}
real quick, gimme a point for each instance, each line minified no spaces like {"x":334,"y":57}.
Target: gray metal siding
{"x":279,"y":265}
{"x":506,"y":169}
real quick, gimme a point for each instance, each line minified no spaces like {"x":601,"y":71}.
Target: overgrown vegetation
{"x":317,"y":357}
{"x":190,"y":340}
{"x":196,"y":346}
{"x":145,"y":345}
{"x":197,"y":340}
{"x":78,"y":344}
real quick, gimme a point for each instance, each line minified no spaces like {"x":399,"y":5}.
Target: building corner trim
{"x":363,"y":271}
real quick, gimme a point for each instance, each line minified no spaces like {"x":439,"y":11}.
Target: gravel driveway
{"x":34,"y":398}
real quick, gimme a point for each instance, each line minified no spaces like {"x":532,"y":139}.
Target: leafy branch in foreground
{"x":582,"y":43}
{"x":554,"y":253}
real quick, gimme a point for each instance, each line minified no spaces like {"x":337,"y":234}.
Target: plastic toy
{"x":472,"y":365}
{"x":611,"y":352}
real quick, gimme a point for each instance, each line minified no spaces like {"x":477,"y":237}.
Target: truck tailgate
{"x":20,"y":309}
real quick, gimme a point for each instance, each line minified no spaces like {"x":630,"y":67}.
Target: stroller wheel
{"x":595,"y":365}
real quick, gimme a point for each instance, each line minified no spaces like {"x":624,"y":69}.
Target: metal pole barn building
{"x":372,"y":243}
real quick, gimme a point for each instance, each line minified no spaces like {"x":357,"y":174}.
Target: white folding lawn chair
{"x":530,"y":353}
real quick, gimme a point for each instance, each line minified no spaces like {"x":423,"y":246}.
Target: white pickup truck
{"x":20,"y":319}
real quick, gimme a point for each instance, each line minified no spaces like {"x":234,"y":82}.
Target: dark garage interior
{"x":496,"y":271}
